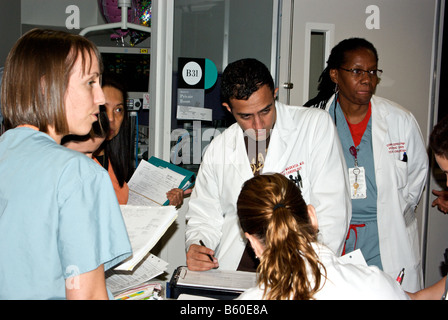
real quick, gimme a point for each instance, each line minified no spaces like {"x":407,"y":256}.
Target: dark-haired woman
{"x":386,"y":160}
{"x":282,"y":230}
{"x":115,"y":156}
{"x":115,"y":153}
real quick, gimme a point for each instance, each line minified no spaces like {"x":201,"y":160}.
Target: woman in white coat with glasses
{"x":386,"y":160}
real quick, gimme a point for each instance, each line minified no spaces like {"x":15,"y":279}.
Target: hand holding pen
{"x":209,"y":256}
{"x":200,"y":258}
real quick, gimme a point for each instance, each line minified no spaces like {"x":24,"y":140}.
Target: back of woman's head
{"x":36,"y":77}
{"x":271,"y":207}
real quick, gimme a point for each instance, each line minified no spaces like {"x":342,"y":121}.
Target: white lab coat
{"x":346,"y":281}
{"x":400,"y":185}
{"x":303,"y":140}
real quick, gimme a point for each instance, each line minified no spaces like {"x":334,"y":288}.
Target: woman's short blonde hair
{"x":36,"y":77}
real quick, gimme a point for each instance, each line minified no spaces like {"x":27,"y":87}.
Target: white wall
{"x":404,"y":44}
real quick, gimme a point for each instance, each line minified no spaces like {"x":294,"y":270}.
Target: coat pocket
{"x":401,"y":171}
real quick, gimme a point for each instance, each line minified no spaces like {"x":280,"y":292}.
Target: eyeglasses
{"x":358,"y":73}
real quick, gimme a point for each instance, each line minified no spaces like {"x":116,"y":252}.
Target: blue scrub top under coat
{"x":364,"y":211}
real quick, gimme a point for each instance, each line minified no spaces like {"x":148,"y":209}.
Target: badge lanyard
{"x":356,"y":170}
{"x":357,"y":177}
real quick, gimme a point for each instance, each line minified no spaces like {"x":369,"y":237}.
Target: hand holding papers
{"x":147,"y":217}
{"x":153,"y":179}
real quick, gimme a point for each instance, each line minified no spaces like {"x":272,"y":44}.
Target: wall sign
{"x":194,"y":77}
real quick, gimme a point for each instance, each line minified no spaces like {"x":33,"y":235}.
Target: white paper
{"x":151,"y":267}
{"x":145,"y":226}
{"x":149,"y":184}
{"x":193,"y":113}
{"x":146,"y":101}
{"x":139,"y":200}
{"x":354,"y":257}
{"x":218,"y":279}
{"x":361,"y":191}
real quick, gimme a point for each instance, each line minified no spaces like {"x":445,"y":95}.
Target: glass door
{"x":207,"y":35}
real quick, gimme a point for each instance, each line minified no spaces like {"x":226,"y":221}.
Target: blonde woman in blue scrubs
{"x":60,"y":223}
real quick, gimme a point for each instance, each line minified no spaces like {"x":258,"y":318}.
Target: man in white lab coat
{"x":299,"y":142}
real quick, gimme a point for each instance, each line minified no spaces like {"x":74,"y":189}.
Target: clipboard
{"x":153,"y":178}
{"x":189,"y":175}
{"x":186,"y":183}
{"x":214,"y":283}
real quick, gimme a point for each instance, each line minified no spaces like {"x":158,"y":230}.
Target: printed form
{"x":149,"y":184}
{"x":145,"y":226}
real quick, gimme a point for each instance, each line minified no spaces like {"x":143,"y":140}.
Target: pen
{"x":400,"y":276}
{"x":209,"y":256}
{"x":405,"y":157}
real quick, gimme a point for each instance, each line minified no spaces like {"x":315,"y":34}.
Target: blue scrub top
{"x":59,"y":216}
{"x":364,"y":211}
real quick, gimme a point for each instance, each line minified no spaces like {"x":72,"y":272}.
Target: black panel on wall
{"x":443,"y":95}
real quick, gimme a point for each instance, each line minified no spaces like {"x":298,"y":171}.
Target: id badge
{"x":357,"y":178}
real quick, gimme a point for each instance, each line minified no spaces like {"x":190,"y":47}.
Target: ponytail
{"x":271,"y":207}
